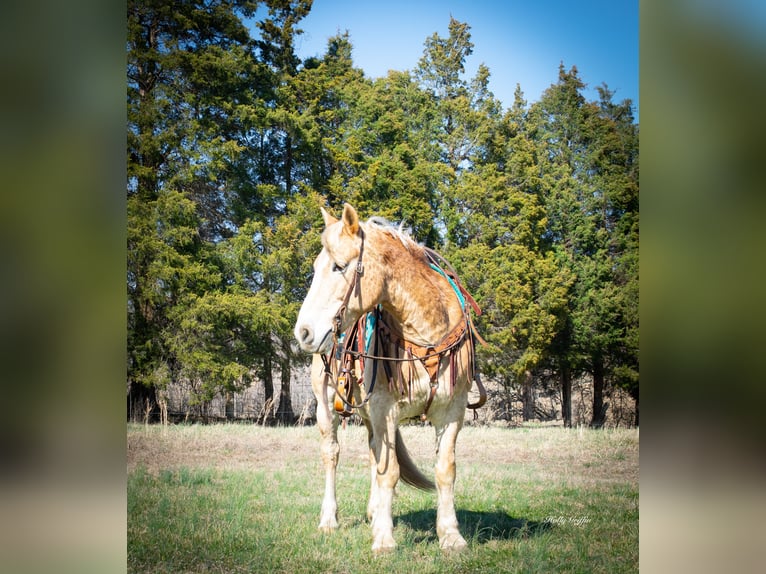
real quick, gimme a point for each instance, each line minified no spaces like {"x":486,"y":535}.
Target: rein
{"x":431,"y":350}
{"x":430,"y":356}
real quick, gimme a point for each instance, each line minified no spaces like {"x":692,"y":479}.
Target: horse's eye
{"x":338,"y":268}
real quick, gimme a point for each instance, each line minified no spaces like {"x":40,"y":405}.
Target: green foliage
{"x":216,"y":338}
{"x":191,"y":108}
{"x":233,"y":143}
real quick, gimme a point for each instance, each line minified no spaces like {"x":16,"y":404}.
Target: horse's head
{"x":336,"y":297}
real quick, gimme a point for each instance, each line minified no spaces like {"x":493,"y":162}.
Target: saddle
{"x":389,"y":339}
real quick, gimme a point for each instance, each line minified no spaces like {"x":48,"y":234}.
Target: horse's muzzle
{"x":307,"y":340}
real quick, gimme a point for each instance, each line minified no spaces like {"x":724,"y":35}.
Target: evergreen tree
{"x":290,"y":136}
{"x":273,"y":261}
{"x":373,"y":147}
{"x":493,"y":218}
{"x":465,"y":119}
{"x":396,"y":175}
{"x":589,"y":166}
{"x":501,"y":251}
{"x":188,"y":69}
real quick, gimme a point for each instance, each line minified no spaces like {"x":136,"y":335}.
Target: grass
{"x":244,"y":498}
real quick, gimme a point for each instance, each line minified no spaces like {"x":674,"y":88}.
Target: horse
{"x":384,"y":309}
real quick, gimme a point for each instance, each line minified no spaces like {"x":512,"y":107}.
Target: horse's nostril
{"x":305,"y":335}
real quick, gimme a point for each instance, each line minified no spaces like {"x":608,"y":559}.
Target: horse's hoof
{"x":328,"y":526}
{"x":453,"y":543}
{"x":383,"y":546}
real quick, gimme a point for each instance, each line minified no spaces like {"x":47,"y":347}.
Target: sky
{"x":520,"y":41}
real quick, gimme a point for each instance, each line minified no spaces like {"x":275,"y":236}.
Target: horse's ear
{"x":350,"y":220}
{"x":328,"y":219}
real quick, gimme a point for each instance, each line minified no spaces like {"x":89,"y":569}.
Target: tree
{"x":498,"y":246}
{"x":188,"y":66}
{"x":289,"y":136}
{"x":372,"y":144}
{"x":277,"y":47}
{"x":491,"y":209}
{"x":164,"y":264}
{"x":272,"y":261}
{"x":464,"y":113}
{"x":615,"y":175}
{"x":396,"y":173}
{"x":589,"y":160}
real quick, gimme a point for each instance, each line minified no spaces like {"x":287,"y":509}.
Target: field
{"x":246,"y":498}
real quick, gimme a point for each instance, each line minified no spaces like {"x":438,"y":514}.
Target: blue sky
{"x":521,"y":41}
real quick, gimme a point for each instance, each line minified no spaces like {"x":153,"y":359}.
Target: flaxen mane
{"x":399,"y":233}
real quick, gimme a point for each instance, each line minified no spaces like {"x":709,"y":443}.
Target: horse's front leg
{"x":446,"y":519}
{"x":386,"y":474}
{"x":327,"y":421}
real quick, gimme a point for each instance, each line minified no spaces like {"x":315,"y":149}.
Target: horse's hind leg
{"x":446,"y":519}
{"x":372,"y":503}
{"x":327,"y":421}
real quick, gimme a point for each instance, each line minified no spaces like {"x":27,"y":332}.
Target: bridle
{"x":337,"y":320}
{"x":430,"y":356}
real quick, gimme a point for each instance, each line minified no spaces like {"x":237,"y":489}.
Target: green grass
{"x":242,"y":498}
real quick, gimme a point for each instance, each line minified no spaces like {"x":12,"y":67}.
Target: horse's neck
{"x":422,"y":303}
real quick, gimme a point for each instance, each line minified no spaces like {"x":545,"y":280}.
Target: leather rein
{"x":429,"y":356}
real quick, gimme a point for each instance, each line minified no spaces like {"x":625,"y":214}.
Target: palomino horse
{"x":382,"y":308}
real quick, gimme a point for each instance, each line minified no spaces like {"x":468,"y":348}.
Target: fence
{"x":504,"y":406}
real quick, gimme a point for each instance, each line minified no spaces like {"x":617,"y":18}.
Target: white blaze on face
{"x":313,"y":329}
{"x":332,"y":276}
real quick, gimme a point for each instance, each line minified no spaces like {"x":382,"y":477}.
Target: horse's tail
{"x":410,"y":473}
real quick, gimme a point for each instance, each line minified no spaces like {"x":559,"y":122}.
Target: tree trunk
{"x":285,"y":411}
{"x":229,"y":406}
{"x":528,"y":397}
{"x":268,"y":388}
{"x":566,"y":395}
{"x":141,"y":397}
{"x":634,"y":394}
{"x":599,"y":409}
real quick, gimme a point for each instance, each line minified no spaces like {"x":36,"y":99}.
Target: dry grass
{"x":574,"y":456}
{"x":221,"y":446}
